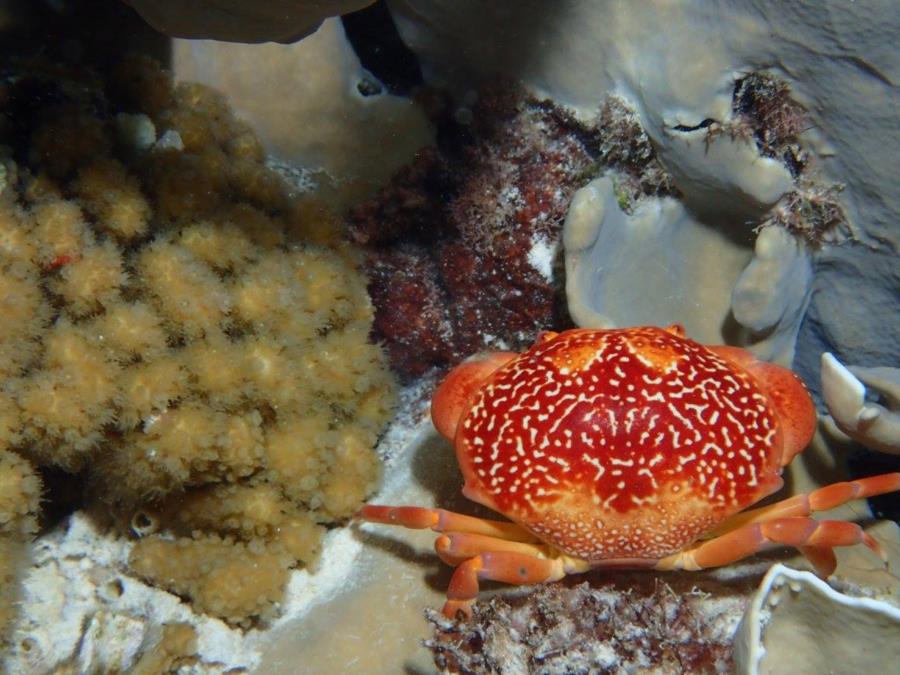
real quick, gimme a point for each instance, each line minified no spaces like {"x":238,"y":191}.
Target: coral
{"x":797,"y":621}
{"x":626,"y":234}
{"x":616,"y":263}
{"x":249,"y":511}
{"x":20,"y":493}
{"x":461,"y":244}
{"x":185,"y":335}
{"x":14,"y":558}
{"x":764,"y":109}
{"x":583,"y":629}
{"x":177,"y":643}
{"x":114,"y":199}
{"x":221,"y":576}
{"x":463,"y":241}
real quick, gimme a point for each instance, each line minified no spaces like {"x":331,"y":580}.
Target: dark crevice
{"x":374,"y":37}
{"x":708,"y":122}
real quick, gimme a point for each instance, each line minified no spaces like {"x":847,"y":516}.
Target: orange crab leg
{"x":822,"y":499}
{"x":822,"y":559}
{"x":800,"y":532}
{"x":507,"y":566}
{"x":455,"y":547}
{"x":441,"y":520}
{"x":481,"y":549}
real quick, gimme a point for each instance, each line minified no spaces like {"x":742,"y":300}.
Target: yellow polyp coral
{"x":150,"y":387}
{"x":299,"y":466}
{"x":223,"y":577}
{"x":131,"y":330}
{"x":245,"y":145}
{"x":256,"y":510}
{"x":188,"y":294}
{"x":214,"y":366}
{"x":177,"y":643}
{"x":223,"y":246}
{"x":18,"y":246}
{"x":189,"y":338}
{"x":20,"y":493}
{"x":92,"y":281}
{"x":60,"y":232}
{"x":66,"y":404}
{"x":24,"y":314}
{"x":114,"y":198}
{"x":255,"y":183}
{"x":181,"y":188}
{"x":352,"y":474}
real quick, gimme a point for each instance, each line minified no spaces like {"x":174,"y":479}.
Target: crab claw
{"x":452,"y":397}
{"x":866,"y":422}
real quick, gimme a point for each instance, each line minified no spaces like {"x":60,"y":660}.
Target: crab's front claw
{"x":453,"y":396}
{"x":507,"y":566}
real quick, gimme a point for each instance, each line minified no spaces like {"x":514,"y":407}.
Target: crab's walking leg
{"x":819,"y":536}
{"x":441,"y":520}
{"x":799,"y":506}
{"x":507,"y":566}
{"x":823,"y":499}
{"x":480,"y":549}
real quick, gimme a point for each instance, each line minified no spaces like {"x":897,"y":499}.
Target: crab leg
{"x":507,"y":566}
{"x":441,"y":520}
{"x":822,"y":559}
{"x":822,"y":499}
{"x":480,"y":549}
{"x":456,"y":547}
{"x":819,"y":536}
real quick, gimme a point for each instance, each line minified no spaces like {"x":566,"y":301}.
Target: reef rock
{"x":681,"y":80}
{"x":661,"y":264}
{"x":798,"y":623}
{"x":242,"y":21}
{"x":315,"y":107}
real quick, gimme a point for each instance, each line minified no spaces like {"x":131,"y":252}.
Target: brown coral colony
{"x":182,"y":332}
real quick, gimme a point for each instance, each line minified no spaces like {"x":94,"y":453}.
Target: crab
{"x":625,"y":448}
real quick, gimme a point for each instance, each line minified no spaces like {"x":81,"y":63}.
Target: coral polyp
{"x":184,"y":335}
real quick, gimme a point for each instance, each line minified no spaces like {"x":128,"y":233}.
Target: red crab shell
{"x":623,"y":444}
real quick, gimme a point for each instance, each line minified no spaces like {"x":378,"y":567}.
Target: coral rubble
{"x":582,"y":629}
{"x":183,"y":334}
{"x":462,"y":244}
